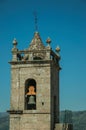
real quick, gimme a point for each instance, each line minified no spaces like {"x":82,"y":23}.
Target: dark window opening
{"x":30,"y":94}
{"x":42,"y":103}
{"x":37,"y":58}
{"x":54,"y":109}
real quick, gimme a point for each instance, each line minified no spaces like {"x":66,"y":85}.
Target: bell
{"x":31,"y":100}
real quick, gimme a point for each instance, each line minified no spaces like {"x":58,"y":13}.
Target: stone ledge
{"x":63,"y":126}
{"x":15,"y":111}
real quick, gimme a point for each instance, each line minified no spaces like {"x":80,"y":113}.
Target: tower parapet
{"x":35,"y":52}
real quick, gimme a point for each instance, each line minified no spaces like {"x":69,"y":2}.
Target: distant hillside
{"x":77,"y":118}
{"x":4,"y":121}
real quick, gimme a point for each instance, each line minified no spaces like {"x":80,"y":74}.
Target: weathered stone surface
{"x":46,"y":74}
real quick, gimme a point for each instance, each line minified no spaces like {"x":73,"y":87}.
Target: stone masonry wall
{"x":42,"y":76}
{"x":54,"y":94}
{"x":40,"y":118}
{"x":30,"y":122}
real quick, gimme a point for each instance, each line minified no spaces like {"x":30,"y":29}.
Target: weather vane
{"x":36,"y":20}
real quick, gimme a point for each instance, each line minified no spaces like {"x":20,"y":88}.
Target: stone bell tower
{"x":34,"y":86}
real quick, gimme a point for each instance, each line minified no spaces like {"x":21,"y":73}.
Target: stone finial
{"x":57,"y":49}
{"x":48,"y":40}
{"x":14,"y":44}
{"x":14,"y":50}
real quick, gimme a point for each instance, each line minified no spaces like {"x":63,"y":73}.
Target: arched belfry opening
{"x":30,"y":94}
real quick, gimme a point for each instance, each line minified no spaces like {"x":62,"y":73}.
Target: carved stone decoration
{"x":36,"y":43}
{"x":37,"y":47}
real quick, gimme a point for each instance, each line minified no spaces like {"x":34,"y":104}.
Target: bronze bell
{"x":31,"y":100}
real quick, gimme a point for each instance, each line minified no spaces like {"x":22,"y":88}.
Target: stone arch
{"x":30,"y":94}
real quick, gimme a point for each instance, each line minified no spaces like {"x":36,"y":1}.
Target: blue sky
{"x":64,"y":21}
